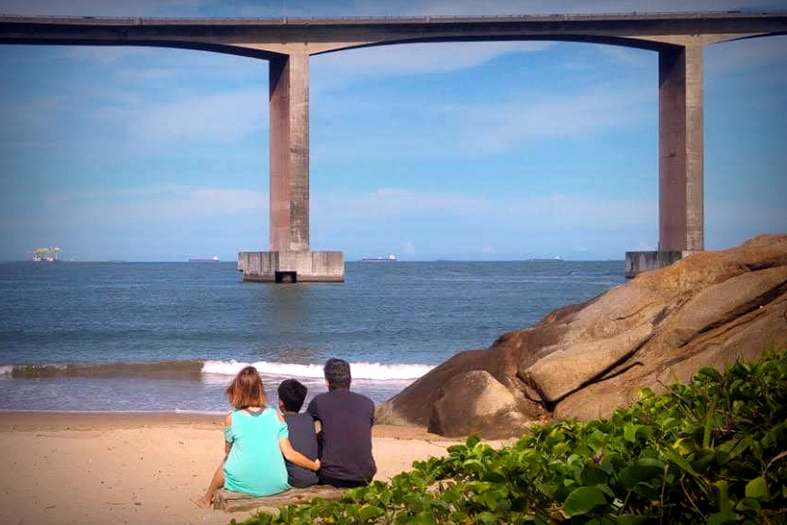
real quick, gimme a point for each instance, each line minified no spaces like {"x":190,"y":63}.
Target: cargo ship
{"x":46,"y":254}
{"x":215,"y":258}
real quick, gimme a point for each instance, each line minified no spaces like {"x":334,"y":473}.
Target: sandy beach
{"x":97,"y":468}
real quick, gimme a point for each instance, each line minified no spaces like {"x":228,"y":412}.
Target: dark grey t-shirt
{"x":347,"y":420}
{"x":304,"y":440}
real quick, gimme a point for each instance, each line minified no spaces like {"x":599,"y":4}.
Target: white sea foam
{"x":6,"y":370}
{"x":375,"y":371}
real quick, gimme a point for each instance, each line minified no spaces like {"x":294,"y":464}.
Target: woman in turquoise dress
{"x":256,"y":441}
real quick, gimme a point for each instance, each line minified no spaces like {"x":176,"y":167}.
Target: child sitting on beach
{"x":255,"y":439}
{"x":302,"y":433}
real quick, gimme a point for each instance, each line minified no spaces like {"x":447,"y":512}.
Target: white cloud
{"x":561,"y":211}
{"x":417,"y":127}
{"x":748,"y":54}
{"x":176,"y":203}
{"x":731,"y":215}
{"x":343,"y":67}
{"x":103,"y":55}
{"x":223,"y":116}
{"x":153,"y":204}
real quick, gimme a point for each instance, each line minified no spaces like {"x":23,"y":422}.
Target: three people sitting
{"x":259,"y":439}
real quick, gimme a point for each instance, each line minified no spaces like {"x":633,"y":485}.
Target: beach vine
{"x":712,"y":451}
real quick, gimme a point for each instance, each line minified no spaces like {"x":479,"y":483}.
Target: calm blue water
{"x":169,"y":336}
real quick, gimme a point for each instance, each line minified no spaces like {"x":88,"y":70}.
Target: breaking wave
{"x":374,"y":371}
{"x":195,"y":370}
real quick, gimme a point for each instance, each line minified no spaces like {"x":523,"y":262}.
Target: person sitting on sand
{"x":346,"y":419}
{"x":255,"y":439}
{"x":302,"y":433}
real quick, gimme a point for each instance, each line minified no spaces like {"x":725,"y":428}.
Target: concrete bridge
{"x":287,"y":44}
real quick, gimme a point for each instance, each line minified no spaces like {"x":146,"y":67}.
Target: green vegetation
{"x":713,"y":451}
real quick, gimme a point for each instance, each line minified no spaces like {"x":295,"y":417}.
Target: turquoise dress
{"x":255,"y":464}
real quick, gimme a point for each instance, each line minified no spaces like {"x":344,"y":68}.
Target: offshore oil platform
{"x":46,"y":254}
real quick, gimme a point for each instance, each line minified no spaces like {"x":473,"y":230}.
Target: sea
{"x":168,"y":337}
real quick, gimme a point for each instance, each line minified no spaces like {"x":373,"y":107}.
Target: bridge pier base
{"x":292,"y":267}
{"x":638,"y":262}
{"x":290,"y":260}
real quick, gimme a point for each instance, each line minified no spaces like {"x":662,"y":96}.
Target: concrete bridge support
{"x":290,"y":259}
{"x":681,"y":205}
{"x":681,"y":214}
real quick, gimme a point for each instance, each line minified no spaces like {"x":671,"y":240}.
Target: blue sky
{"x":488,"y":151}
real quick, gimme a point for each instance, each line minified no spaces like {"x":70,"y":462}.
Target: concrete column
{"x":289,"y":153}
{"x":681,"y":213}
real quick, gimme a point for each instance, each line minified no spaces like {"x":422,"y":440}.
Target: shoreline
{"x":140,"y":467}
{"x":23,"y":420}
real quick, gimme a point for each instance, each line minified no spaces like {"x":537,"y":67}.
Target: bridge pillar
{"x":681,"y":214}
{"x":681,"y":208}
{"x":290,"y":259}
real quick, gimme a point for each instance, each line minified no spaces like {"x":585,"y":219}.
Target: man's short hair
{"x":337,"y":373}
{"x":292,"y":393}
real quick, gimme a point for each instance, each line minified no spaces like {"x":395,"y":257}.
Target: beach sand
{"x":97,"y":468}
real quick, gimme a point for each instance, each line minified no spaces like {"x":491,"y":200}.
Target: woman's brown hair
{"x":246,"y":389}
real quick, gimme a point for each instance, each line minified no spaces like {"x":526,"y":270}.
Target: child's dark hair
{"x":292,"y":393}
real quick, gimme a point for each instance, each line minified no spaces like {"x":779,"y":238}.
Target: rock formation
{"x":584,"y":361}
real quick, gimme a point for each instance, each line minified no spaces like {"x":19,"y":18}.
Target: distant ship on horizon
{"x":390,"y":258}
{"x":46,"y":254}
{"x":542,"y":259}
{"x":215,"y":258}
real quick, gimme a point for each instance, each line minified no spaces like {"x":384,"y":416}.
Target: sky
{"x":473,"y":151}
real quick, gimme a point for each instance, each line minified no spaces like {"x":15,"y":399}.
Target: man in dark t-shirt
{"x":302,"y":434}
{"x":346,"y":419}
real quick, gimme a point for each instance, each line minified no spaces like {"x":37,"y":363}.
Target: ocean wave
{"x":198,"y":370}
{"x":375,"y":371}
{"x":157,"y":370}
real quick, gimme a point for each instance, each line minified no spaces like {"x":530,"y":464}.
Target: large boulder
{"x":584,"y":361}
{"x":476,"y":403}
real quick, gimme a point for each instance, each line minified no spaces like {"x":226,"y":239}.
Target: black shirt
{"x":347,"y":420}
{"x":304,"y":440}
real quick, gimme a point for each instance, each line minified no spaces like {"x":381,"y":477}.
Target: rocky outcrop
{"x":584,"y":361}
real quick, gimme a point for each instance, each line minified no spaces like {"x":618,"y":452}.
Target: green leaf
{"x":724,"y":500}
{"x":593,"y":476}
{"x":703,"y":459}
{"x":722,"y":517}
{"x":683,"y":446}
{"x":369,"y":512}
{"x":631,"y":519}
{"x":583,"y":500}
{"x":757,"y":489}
{"x":487,"y":518}
{"x":710,"y":373}
{"x":630,"y":432}
{"x":643,"y":470}
{"x":680,"y":462}
{"x":472,"y":441}
{"x":747,"y":504}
